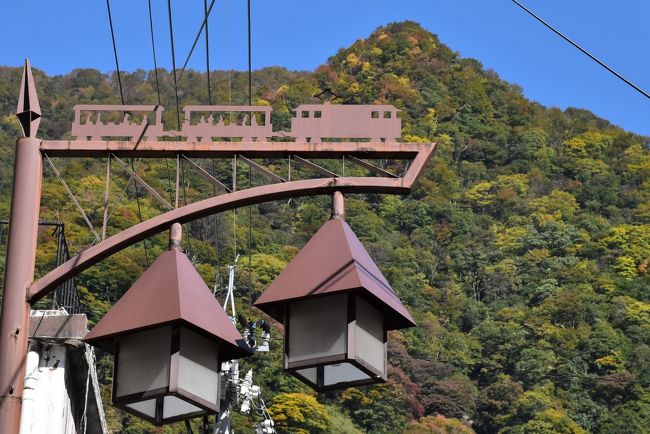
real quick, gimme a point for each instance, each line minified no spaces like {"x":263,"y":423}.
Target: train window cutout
{"x":310,"y":123}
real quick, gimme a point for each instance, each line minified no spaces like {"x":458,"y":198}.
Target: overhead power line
{"x":153,"y":49}
{"x":117,"y":64}
{"x":587,"y":53}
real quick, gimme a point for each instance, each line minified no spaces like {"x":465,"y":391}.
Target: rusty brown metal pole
{"x":21,"y":256}
{"x":19,"y":274}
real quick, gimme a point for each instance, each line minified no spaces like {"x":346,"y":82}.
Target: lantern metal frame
{"x":172,"y":389}
{"x":350,"y":356}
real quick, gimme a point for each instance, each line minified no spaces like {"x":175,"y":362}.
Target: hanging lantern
{"x":336,"y":307}
{"x":169,"y":336}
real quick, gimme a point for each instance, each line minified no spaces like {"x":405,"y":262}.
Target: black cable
{"x":250,"y":70}
{"x":153,"y":49}
{"x":189,"y":227}
{"x":207,"y":50}
{"x":250,"y":241}
{"x":171,"y":36}
{"x":180,"y":76}
{"x":117,"y":64}
{"x":217,"y":278}
{"x":587,"y":53}
{"x":250,"y":213}
{"x":137,"y":199}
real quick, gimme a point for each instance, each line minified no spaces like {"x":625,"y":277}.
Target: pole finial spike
{"x":175,"y":236}
{"x":28,"y":110}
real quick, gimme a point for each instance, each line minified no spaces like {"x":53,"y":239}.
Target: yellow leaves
{"x":632,"y":243}
{"x":506,"y":187}
{"x":299,"y":413}
{"x":587,"y":144}
{"x":636,"y":311}
{"x":352,"y":60}
{"x":613,"y":362}
{"x":481,"y":193}
{"x":511,"y":239}
{"x":559,"y":204}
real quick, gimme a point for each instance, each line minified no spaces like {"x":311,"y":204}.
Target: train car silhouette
{"x":226,"y":121}
{"x":314,"y":122}
{"x":94,"y":128}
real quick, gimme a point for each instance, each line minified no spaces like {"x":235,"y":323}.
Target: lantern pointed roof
{"x":332,"y":261}
{"x":170,"y":291}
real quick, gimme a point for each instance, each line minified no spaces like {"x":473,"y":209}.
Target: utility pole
{"x":21,"y":257}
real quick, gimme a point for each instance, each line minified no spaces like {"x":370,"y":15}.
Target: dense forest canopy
{"x":523,"y":252}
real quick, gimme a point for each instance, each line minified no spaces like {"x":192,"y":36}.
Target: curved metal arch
{"x":225,"y":202}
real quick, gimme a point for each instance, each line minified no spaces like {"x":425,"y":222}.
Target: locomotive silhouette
{"x":311,"y":123}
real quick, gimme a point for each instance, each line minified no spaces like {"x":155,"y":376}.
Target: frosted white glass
{"x":143,"y":361}
{"x":309,"y":374}
{"x":198,"y":366}
{"x":147,"y":407}
{"x":317,"y":328}
{"x":370,"y":335}
{"x":342,"y":373}
{"x":173,"y":407}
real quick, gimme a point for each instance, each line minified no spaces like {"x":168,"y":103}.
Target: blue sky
{"x":300,"y":34}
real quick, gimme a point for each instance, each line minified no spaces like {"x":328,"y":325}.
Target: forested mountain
{"x":522,"y":252}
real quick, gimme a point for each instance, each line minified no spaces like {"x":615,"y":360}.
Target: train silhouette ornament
{"x":311,"y":123}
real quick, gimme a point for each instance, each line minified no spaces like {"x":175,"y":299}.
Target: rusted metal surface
{"x":19,"y":272}
{"x":21,"y":257}
{"x":318,"y":121}
{"x":156,"y":149}
{"x":222,"y":203}
{"x":334,"y":261}
{"x":93,"y":126}
{"x":243,"y":125}
{"x":181,"y":296}
{"x":311,"y":123}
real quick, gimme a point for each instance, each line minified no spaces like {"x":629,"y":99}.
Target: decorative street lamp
{"x":169,"y":336}
{"x":336,"y":308}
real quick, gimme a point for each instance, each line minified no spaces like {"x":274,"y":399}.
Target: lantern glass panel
{"x":198,"y":366}
{"x":309,"y":374}
{"x":317,"y":328}
{"x":174,"y":407}
{"x":342,"y":373}
{"x":370,"y":335}
{"x":147,"y":407}
{"x":143,"y":361}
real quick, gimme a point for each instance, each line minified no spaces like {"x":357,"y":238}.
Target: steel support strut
{"x":19,"y":274}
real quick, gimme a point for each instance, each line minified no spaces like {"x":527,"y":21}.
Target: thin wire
{"x":171,"y":36}
{"x":207,"y":51}
{"x":217,"y":277}
{"x":117,"y":64}
{"x":153,"y":49}
{"x":587,"y":53}
{"x":189,"y":226}
{"x":250,"y":70}
{"x":250,"y":174}
{"x":137,"y":199}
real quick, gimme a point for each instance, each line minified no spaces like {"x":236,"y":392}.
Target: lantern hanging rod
{"x":175,"y":236}
{"x":338,"y":205}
